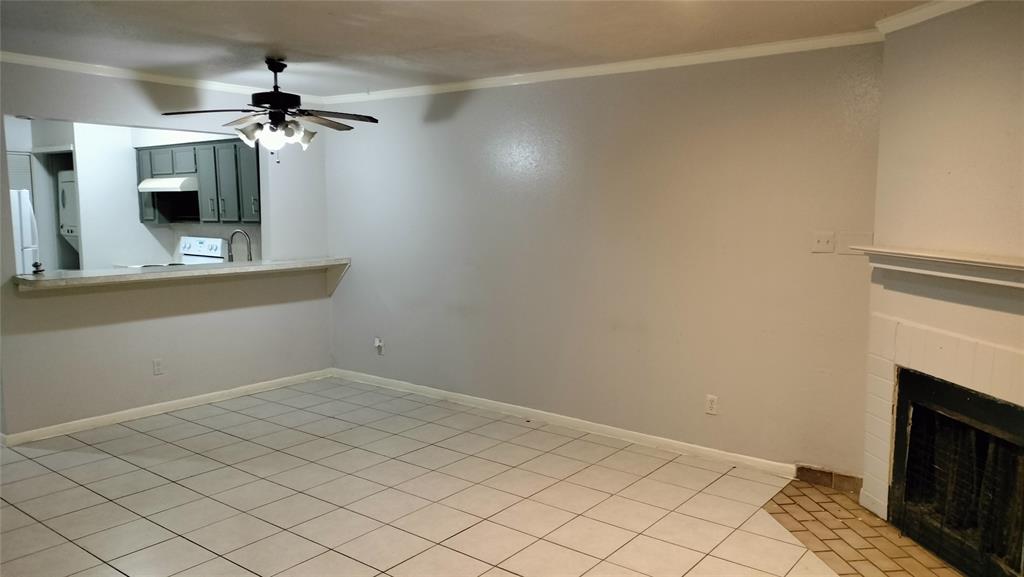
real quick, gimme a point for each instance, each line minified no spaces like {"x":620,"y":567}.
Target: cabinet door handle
{"x":213,"y":207}
{"x":222,"y":206}
{"x":63,"y":198}
{"x":255,"y":206}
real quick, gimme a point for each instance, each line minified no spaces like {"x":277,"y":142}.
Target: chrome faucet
{"x":231,"y":242}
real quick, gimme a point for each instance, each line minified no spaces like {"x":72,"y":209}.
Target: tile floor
{"x":334,"y":478}
{"x":850,"y":539}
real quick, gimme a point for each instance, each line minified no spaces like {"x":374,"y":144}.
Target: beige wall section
{"x":951,"y":156}
{"x":70,"y":356}
{"x":615,"y":248}
{"x":950,"y":177}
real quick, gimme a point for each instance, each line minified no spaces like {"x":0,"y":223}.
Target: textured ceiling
{"x":345,"y":47}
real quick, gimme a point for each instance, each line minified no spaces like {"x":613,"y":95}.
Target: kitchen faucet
{"x":231,"y":242}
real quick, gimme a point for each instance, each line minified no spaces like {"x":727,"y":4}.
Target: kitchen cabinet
{"x":227,"y":182}
{"x":147,"y":210}
{"x":248,"y":182}
{"x":227,"y":173}
{"x":206,"y":173}
{"x":161,"y":162}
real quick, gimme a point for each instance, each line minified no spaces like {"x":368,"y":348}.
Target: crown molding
{"x":920,"y":14}
{"x":645,"y":64}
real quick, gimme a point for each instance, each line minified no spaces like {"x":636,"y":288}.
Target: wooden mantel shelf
{"x":334,"y":269}
{"x":986,"y":269}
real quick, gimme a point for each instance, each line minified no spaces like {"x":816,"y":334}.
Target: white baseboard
{"x":149,"y":410}
{"x":777,"y":468}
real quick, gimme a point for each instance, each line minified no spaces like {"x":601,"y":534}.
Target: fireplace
{"x":958,"y":474}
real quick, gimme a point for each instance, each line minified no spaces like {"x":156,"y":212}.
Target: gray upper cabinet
{"x":147,"y":211}
{"x":228,"y":176}
{"x":161,"y":163}
{"x":248,"y":182}
{"x":206,"y":169}
{"x":227,"y":182}
{"x":184,"y":159}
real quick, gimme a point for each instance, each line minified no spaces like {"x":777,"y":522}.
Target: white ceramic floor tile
{"x":124,"y":539}
{"x":432,"y":457}
{"x":275,"y":553}
{"x":232,"y":533}
{"x":603,"y":479}
{"x":194,"y":515}
{"x":717,"y":509}
{"x":292,"y":510}
{"x":11,"y":518}
{"x":255,"y":494}
{"x":509,"y":454}
{"x":353,"y":460}
{"x":387,"y":505}
{"x":35,"y":487}
{"x":162,"y":559}
{"x":359,"y":436}
{"x":218,"y":480}
{"x":270,"y":464}
{"x":481,"y":500}
{"x":330,"y":564}
{"x":237,"y":452}
{"x":440,"y":562}
{"x":689,"y":532}
{"x":664,"y":495}
{"x":392,"y":472}
{"x":543,"y":559}
{"x":655,"y":558}
{"x":27,"y":540}
{"x":98,"y":470}
{"x":207,"y":442}
{"x":606,"y":569}
{"x":23,"y":469}
{"x":468,"y":443}
{"x":306,"y":477}
{"x":394,"y":446}
{"x":626,"y":513}
{"x":474,"y":469}
{"x":533,"y":518}
{"x":584,"y":451}
{"x":632,"y":462}
{"x":72,"y":458}
{"x":219,"y":567}
{"x":685,"y":476}
{"x":571,"y":497}
{"x":189,"y":466}
{"x":810,"y":565}
{"x":553,"y":465}
{"x":345,"y":490}
{"x":336,"y":528}
{"x":385,"y":547}
{"x":715,"y":567}
{"x":490,"y":542}
{"x":434,"y":486}
{"x":759,"y":552}
{"x":760,"y":477}
{"x":501,"y":430}
{"x":541,"y":440}
{"x":436,"y":522}
{"x":431,"y":433}
{"x":127,"y":484}
{"x":317,"y":449}
{"x":765,"y":525}
{"x":738,"y":489}
{"x":60,"y":503}
{"x":519,"y":482}
{"x":58,"y":561}
{"x":704,"y":463}
{"x":158,"y":499}
{"x":90,"y":520}
{"x":591,"y":537}
{"x":283,"y":439}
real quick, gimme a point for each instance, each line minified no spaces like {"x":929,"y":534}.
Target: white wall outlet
{"x":823,"y":241}
{"x":711,"y":404}
{"x":158,"y":367}
{"x":378,"y":343}
{"x":845,"y":240}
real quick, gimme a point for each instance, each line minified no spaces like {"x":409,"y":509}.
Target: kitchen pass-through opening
{"x":958,"y":475}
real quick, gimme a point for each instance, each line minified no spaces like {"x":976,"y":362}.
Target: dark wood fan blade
{"x":325,"y":122}
{"x":245,"y":119}
{"x":345,"y":115}
{"x":208,"y":111}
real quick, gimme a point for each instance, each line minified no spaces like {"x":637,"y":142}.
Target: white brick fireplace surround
{"x":980,"y":366}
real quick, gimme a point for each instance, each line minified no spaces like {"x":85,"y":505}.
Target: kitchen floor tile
{"x":59,"y":503}
{"x":293,"y":510}
{"x":717,"y":509}
{"x":305,"y":477}
{"x":474,"y":469}
{"x":232,"y":533}
{"x":434,"y":486}
{"x":490,"y":542}
{"x":384,"y":548}
{"x":158,"y":499}
{"x":28,"y":540}
{"x":584,"y":451}
{"x":218,"y":480}
{"x":255,"y":494}
{"x":392,"y":472}
{"x":329,"y":564}
{"x":59,"y":561}
{"x":219,"y":567}
{"x":737,"y":489}
{"x":759,"y":552}
{"x":533,"y":518}
{"x":440,"y":562}
{"x":603,"y":479}
{"x":316,"y":449}
{"x":591,"y":537}
{"x":162,"y":559}
{"x":194,"y":515}
{"x":276,"y":553}
{"x":481,"y":500}
{"x":345,"y":490}
{"x":335,"y":528}
{"x":432,"y":457}
{"x":626,"y":513}
{"x":40,"y":486}
{"x":655,"y":558}
{"x":543,"y":559}
{"x":436,"y":522}
{"x":90,"y":520}
{"x":520,"y":482}
{"x":127,"y":484}
{"x":554,"y":465}
{"x":387,"y":505}
{"x":656,"y":493}
{"x":685,"y":476}
{"x":124,"y":539}
{"x":631,"y":462}
{"x":353,"y":460}
{"x":689,"y":532}
{"x":571,"y":497}
{"x":270,"y":464}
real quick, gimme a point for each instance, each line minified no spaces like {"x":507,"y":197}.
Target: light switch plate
{"x":823,"y":241}
{"x":847,"y":239}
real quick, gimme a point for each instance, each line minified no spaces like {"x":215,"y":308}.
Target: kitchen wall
{"x":68,"y":356}
{"x":950,"y":178}
{"x":108,"y":199}
{"x":615,"y":248}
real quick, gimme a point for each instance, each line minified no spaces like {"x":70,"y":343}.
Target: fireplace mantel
{"x":987,"y":269}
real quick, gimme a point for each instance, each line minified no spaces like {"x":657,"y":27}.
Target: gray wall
{"x":614,"y":248}
{"x":68,"y":356}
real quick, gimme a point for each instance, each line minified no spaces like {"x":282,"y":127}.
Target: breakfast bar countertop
{"x":334,"y":269}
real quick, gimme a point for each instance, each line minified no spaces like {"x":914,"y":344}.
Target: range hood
{"x":169,"y":184}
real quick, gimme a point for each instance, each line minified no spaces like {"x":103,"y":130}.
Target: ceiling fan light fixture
{"x":306,"y":138}
{"x":272,"y":138}
{"x":250,"y":134}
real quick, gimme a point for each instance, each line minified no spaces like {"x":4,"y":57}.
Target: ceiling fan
{"x":275,"y":116}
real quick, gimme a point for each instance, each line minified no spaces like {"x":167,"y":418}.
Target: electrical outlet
{"x":711,"y":404}
{"x":823,"y":241}
{"x":158,"y":367}
{"x":378,"y":343}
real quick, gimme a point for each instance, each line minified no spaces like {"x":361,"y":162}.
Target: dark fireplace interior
{"x":958,"y":475}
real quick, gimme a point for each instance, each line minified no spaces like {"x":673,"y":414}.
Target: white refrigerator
{"x":26,"y":234}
